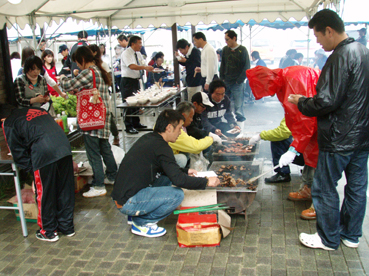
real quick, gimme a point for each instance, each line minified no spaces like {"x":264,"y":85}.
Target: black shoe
{"x":131,"y":130}
{"x":139,"y":126}
{"x":43,"y":237}
{"x":278,"y":178}
{"x":240,"y":118}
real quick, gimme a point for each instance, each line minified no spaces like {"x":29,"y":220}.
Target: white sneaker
{"x":350,"y":244}
{"x":313,"y":241}
{"x":94,"y":192}
{"x":107,"y":181}
{"x":151,"y":230}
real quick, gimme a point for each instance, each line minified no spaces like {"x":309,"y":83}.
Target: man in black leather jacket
{"x":341,"y":106}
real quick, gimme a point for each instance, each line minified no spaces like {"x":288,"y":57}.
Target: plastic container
{"x":65,"y":122}
{"x":59,"y":121}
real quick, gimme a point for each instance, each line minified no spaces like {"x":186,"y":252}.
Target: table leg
{"x":124,"y":111}
{"x":20,"y":203}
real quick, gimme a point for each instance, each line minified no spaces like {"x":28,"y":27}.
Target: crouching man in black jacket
{"x":143,"y":187}
{"x":38,"y":144}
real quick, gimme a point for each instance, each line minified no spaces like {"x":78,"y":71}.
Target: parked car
{"x":265,"y":49}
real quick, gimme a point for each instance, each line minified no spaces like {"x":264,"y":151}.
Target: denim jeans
{"x":95,"y":149}
{"x":279,"y":148}
{"x":331,"y":223}
{"x":235,"y":91}
{"x":153,"y":203}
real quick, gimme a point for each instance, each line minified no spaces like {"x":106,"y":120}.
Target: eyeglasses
{"x":203,"y":106}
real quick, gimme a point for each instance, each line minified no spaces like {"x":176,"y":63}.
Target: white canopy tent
{"x":132,"y":13}
{"x":144,"y":13}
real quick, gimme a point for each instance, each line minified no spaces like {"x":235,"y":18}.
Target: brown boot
{"x":302,"y":194}
{"x":308,"y":214}
{"x":116,"y":141}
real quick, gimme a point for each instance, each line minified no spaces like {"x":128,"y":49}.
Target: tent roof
{"x":278,"y":24}
{"x":132,"y":13}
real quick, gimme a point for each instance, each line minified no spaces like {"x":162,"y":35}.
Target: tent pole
{"x":112,"y":71}
{"x":175,"y":61}
{"x":241,"y":34}
{"x":308,"y":47}
{"x":33,"y":27}
{"x":250,"y":38}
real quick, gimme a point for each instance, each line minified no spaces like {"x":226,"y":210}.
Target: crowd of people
{"x":325,"y":127}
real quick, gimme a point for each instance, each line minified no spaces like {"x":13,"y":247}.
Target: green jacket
{"x":280,"y":133}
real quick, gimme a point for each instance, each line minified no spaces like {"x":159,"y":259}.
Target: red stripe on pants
{"x":38,"y":184}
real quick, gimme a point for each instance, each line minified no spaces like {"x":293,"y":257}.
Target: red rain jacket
{"x":283,"y":82}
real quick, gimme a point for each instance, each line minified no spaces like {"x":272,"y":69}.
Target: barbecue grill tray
{"x":255,"y":150}
{"x":253,"y":167}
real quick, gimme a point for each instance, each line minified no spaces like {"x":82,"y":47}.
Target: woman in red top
{"x":47,"y":58}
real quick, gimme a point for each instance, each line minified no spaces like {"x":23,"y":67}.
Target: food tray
{"x":249,"y":156}
{"x":253,"y":168}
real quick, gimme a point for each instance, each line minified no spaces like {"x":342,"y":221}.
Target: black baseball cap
{"x":62,"y":48}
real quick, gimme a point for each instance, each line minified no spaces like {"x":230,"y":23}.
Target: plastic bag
{"x":198,"y":162}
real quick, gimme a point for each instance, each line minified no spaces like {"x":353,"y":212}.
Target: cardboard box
{"x":30,"y":209}
{"x":79,"y":182}
{"x":202,"y":229}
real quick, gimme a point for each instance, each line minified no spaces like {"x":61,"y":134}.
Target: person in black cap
{"x":362,"y":36}
{"x":63,"y":50}
{"x":201,"y":101}
{"x":82,"y":41}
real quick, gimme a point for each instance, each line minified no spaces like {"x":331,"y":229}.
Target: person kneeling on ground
{"x":38,"y":144}
{"x":212,"y":117}
{"x":143,"y":187}
{"x":200,"y":101}
{"x":280,"y":140}
{"x":187,"y":144}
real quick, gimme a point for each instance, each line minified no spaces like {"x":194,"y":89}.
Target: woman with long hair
{"x":47,"y":58}
{"x":96,"y":141}
{"x":97,"y":55}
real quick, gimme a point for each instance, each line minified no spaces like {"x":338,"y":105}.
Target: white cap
{"x":201,"y":97}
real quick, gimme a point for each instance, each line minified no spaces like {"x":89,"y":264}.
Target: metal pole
{"x":20,"y":203}
{"x":308,"y":47}
{"x":112,"y":71}
{"x":175,"y":61}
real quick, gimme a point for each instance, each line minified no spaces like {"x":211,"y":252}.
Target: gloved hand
{"x":287,"y":158}
{"x":254,"y":139}
{"x":216,"y":138}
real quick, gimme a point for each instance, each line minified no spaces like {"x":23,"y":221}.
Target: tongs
{"x":225,"y":136}
{"x":257,"y":177}
{"x":207,"y":208}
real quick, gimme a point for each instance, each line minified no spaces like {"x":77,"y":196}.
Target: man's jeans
{"x":279,"y":148}
{"x":95,"y":149}
{"x":235,"y":91}
{"x":153,"y":203}
{"x":331,"y":223}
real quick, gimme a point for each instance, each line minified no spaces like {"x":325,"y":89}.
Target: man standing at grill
{"x":209,"y":60}
{"x":341,"y":106}
{"x":132,"y":70}
{"x":235,"y":62}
